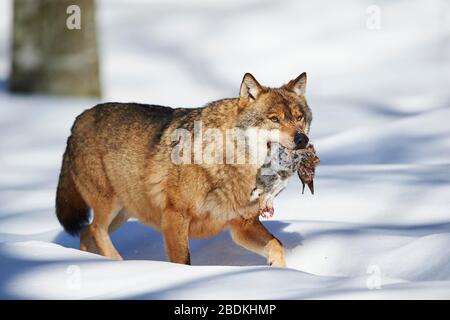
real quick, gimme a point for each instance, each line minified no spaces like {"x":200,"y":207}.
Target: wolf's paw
{"x":277,"y":263}
{"x":275,"y":253}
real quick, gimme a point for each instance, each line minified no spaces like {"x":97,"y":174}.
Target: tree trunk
{"x":50,"y":54}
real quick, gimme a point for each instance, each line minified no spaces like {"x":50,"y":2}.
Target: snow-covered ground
{"x":379,"y":224}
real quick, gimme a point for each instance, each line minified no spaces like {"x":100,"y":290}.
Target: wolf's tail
{"x":71,"y":209}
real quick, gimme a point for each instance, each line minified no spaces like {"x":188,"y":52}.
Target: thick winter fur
{"x":118,"y":163}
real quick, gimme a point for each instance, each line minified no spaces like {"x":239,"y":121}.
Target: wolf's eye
{"x":274,"y":119}
{"x":299,"y":118}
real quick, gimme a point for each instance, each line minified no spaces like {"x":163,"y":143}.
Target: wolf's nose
{"x":301,"y":140}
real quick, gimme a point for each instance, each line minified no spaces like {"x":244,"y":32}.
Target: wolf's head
{"x":283,"y":109}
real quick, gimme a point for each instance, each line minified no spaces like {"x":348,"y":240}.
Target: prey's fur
{"x":280,"y":164}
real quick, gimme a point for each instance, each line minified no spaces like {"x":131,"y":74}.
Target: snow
{"x":379,"y":224}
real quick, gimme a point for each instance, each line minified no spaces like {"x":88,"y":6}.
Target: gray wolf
{"x":118,"y":163}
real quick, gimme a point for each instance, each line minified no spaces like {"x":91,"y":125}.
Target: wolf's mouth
{"x":271,"y":144}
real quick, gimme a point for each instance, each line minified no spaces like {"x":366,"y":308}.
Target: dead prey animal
{"x":280,"y":165}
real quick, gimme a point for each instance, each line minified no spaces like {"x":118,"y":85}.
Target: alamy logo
{"x":73,"y":280}
{"x":373,"y":21}
{"x":215,"y":146}
{"x":73,"y":21}
{"x":374,"y":280}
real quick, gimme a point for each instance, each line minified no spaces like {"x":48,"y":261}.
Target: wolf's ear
{"x":250,"y":88}
{"x":298,"y":85}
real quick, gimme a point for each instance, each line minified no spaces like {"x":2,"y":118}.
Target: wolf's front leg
{"x":252,"y":235}
{"x":175,"y":229}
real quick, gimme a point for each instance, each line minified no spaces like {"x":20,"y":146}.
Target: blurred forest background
{"x":54,"y":48}
{"x":372,"y":45}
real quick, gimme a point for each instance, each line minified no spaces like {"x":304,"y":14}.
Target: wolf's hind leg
{"x":121,"y":218}
{"x":99,"y":229}
{"x":87,"y":242}
{"x":252,"y":235}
